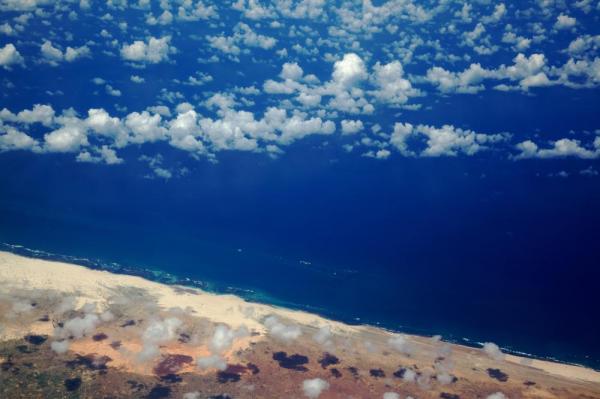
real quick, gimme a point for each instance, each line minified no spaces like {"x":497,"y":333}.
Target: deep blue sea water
{"x":489,"y":250}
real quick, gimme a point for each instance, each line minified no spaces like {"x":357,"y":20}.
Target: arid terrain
{"x":70,"y":332}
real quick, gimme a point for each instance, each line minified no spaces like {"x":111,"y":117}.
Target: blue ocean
{"x":476,"y":253}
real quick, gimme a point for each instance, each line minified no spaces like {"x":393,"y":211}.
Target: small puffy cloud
{"x":493,"y":351}
{"x":351,"y":126}
{"x":252,"y":9}
{"x":409,"y":375}
{"x":160,"y":109}
{"x":9,"y":56}
{"x":466,"y":82}
{"x":497,"y":15}
{"x":324,"y":337}
{"x":349,"y":71}
{"x":104,"y":155}
{"x":253,"y":39}
{"x":66,"y":304}
{"x":392,"y":87}
{"x":291,"y":71}
{"x":583,"y":44}
{"x":145,"y":127}
{"x":224,"y":44}
{"x":560,"y":149}
{"x":163,"y":19}
{"x":382,"y":153}
{"x":101,"y":123}
{"x":54,"y":55}
{"x":7,"y":30}
{"x":283,"y":332}
{"x":444,"y":378}
{"x":111,"y":91}
{"x":401,"y":344}
{"x":78,"y":327}
{"x":527,"y":72}
{"x":189,"y":11}
{"x":449,"y":140}
{"x":158,"y":332}
{"x":51,"y":53}
{"x":21,"y":306}
{"x":13,"y":139}
{"x":519,"y":43}
{"x":312,"y":388}
{"x":153,"y":51}
{"x":137,"y":79}
{"x":442,"y":141}
{"x":68,"y":138}
{"x":564,"y":22}
{"x":40,"y":113}
{"x":155,"y":163}
{"x":183,"y":131}
{"x":72,"y":54}
{"x":60,"y":347}
{"x":243,"y":35}
{"x":212,"y":362}
{"x":184,"y":107}
{"x":223,"y":338}
{"x":21,"y":5}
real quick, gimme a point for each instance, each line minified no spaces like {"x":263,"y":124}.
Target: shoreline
{"x":46,"y":274}
{"x":169,"y":279}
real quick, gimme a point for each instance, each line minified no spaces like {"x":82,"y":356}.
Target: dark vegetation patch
{"x":171,"y":378}
{"x":400,"y":372}
{"x":498,"y":375}
{"x":377,"y":373}
{"x":446,"y":395}
{"x":328,"y":360}
{"x":222,"y":396}
{"x":335,"y":372}
{"x":293,"y":362}
{"x":99,"y":337}
{"x":24,"y":349}
{"x":172,"y":364}
{"x":72,"y":384}
{"x":253,"y":368}
{"x":115,"y":345}
{"x":44,"y":318}
{"x":225,"y":377}
{"x":36,"y":339}
{"x":136,"y":386}
{"x":7,"y":365}
{"x":233,"y":372}
{"x":128,"y":323}
{"x":159,"y":392}
{"x":90,"y":362}
{"x":184,"y":338}
{"x":353,"y":371}
{"x":529,"y":383}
